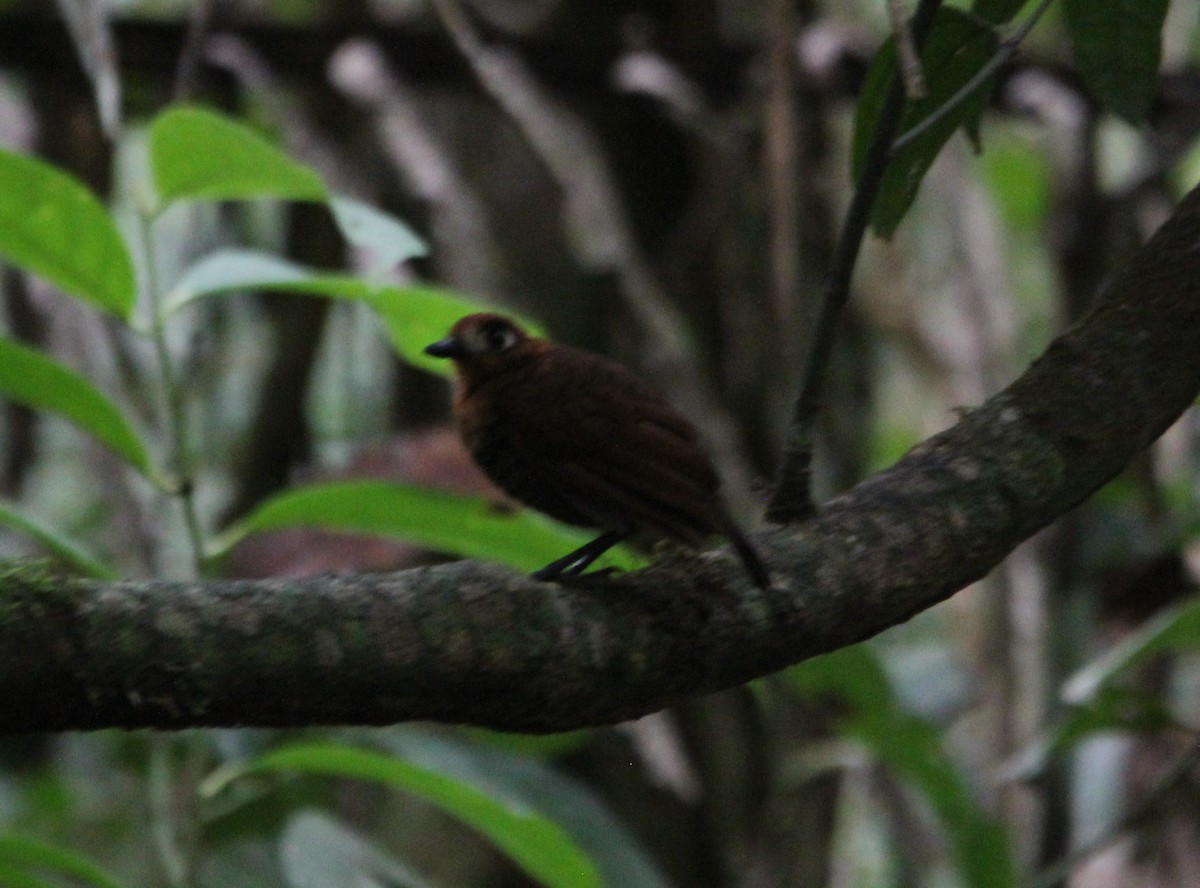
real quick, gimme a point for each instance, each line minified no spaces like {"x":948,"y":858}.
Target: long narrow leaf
{"x":535,"y":844}
{"x":53,"y":226}
{"x":461,"y":525}
{"x":912,"y":747}
{"x":18,"y":851}
{"x":66,"y":549}
{"x":525,"y":779}
{"x":1110,"y":709}
{"x":29,"y":377}
{"x":1177,"y":629}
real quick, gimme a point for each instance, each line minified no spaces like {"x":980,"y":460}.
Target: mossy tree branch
{"x":476,"y":643}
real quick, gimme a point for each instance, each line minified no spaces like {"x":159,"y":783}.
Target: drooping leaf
{"x":234,"y":270}
{"x":68,"y":550}
{"x":1118,"y":44}
{"x":1110,"y":709}
{"x":388,"y":240}
{"x":958,"y":47}
{"x":537,"y":845}
{"x":53,"y":226}
{"x":466,"y":526}
{"x":524,"y":780}
{"x":319,"y":852}
{"x":1177,"y":629}
{"x":29,"y":377}
{"x":912,"y":747}
{"x":19,"y":852}
{"x":196,"y":154}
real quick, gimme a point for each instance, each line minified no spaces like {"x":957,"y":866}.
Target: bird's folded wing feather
{"x":621,"y":452}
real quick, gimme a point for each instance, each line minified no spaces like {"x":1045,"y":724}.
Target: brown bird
{"x":585,"y":441}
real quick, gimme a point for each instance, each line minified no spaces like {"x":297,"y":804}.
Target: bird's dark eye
{"x":498,"y":337}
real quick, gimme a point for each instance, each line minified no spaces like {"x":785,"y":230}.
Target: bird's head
{"x":484,"y":344}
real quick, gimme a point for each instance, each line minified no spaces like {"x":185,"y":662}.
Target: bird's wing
{"x":628,"y":452}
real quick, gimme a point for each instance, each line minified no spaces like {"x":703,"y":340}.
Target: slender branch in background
{"x":189,"y":57}
{"x":779,"y":162}
{"x":87,"y":23}
{"x":166,"y":825}
{"x":1171,"y":780}
{"x":906,"y":50}
{"x":792,"y":500}
{"x":1005,"y":52}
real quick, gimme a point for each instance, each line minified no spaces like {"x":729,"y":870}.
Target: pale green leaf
{"x":412,"y":316}
{"x":388,"y":240}
{"x":319,"y":852}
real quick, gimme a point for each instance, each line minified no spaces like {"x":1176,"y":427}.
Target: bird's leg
{"x":574,"y":563}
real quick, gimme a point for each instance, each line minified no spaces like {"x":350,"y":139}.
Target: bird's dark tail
{"x":750,"y":557}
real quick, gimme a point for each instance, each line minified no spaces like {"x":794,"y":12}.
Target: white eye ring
{"x":497,"y":338}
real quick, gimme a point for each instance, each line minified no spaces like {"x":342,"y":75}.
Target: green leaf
{"x":523,"y":780}
{"x":388,"y":240}
{"x":29,"y":377}
{"x":20,"y":852}
{"x":197,"y":154}
{"x":14,"y":877}
{"x":412,"y":317}
{"x":1110,"y":709}
{"x":912,"y":747}
{"x":236,"y":270}
{"x":53,"y":226}
{"x":1177,"y":629}
{"x":466,"y":526}
{"x":958,"y":47}
{"x":1118,"y":44}
{"x":535,"y":844}
{"x":318,"y":852}
{"x":69,"y":551}
{"x":997,"y":12}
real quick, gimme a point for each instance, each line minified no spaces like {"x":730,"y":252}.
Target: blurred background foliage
{"x":660,"y":180}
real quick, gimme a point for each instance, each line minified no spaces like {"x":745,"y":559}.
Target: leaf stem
{"x":176,"y":415}
{"x":792,"y":500}
{"x":1005,"y":52}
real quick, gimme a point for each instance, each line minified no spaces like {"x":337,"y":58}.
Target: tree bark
{"x":476,"y":643}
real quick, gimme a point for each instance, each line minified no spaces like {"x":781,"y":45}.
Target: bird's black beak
{"x":445,"y":348}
